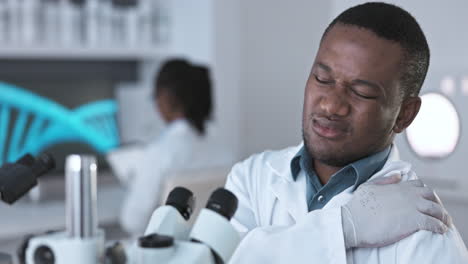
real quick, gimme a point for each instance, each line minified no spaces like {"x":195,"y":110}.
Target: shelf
{"x":83,"y":53}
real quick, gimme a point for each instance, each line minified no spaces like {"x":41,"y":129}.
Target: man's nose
{"x":335,"y":104}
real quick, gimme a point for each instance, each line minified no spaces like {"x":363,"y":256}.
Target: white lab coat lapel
{"x":392,"y":165}
{"x":289,"y":195}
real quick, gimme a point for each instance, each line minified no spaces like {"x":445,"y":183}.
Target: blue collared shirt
{"x":354,"y":174}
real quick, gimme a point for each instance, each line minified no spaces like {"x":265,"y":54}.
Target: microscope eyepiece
{"x":155,"y":241}
{"x":44,"y":163}
{"x":183,"y":200}
{"x":223,"y":202}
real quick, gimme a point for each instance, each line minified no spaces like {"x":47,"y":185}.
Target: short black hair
{"x":190,"y":87}
{"x":391,"y":22}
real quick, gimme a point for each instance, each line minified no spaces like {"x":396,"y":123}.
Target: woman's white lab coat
{"x":142,"y":170}
{"x":273,"y":210}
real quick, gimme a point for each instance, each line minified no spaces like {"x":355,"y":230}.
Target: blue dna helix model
{"x":41,"y":123}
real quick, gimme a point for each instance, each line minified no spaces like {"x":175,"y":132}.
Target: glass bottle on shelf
{"x":92,"y":21}
{"x":51,"y":19}
{"x":29,"y":21}
{"x":161,"y":22}
{"x":131,"y":26}
{"x":77,"y":25}
{"x":14,"y":21}
{"x":65,"y":23}
{"x":105,"y":23}
{"x":117,"y":25}
{"x":3,"y":23}
{"x":144,"y":10}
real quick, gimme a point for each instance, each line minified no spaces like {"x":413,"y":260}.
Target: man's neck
{"x":323,"y":171}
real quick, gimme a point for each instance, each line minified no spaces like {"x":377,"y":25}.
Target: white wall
{"x":280,"y":39}
{"x":227,"y":66}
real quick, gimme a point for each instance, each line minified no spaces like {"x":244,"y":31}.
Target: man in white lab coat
{"x":313,"y":203}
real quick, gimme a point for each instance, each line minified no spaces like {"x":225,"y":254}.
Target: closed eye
{"x":322,"y":81}
{"x":363,"y":95}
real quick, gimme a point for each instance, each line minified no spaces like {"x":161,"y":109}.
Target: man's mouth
{"x":328,"y":129}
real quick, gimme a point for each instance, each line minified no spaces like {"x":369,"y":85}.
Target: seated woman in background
{"x":182,"y":93}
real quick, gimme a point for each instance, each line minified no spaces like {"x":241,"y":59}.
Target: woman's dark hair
{"x":190,"y":86}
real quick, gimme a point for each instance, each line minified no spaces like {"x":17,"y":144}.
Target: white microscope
{"x":167,"y":239}
{"x":82,"y":242}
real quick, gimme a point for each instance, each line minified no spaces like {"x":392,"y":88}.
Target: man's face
{"x":352,"y":96}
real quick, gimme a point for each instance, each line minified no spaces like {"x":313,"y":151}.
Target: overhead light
{"x":435,"y":132}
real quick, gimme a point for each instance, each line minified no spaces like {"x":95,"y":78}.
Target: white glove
{"x":385,"y":211}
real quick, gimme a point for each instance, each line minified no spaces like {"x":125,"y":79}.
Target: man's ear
{"x":409,"y":110}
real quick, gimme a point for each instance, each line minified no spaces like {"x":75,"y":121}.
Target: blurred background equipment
{"x":16,"y":179}
{"x":89,"y":23}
